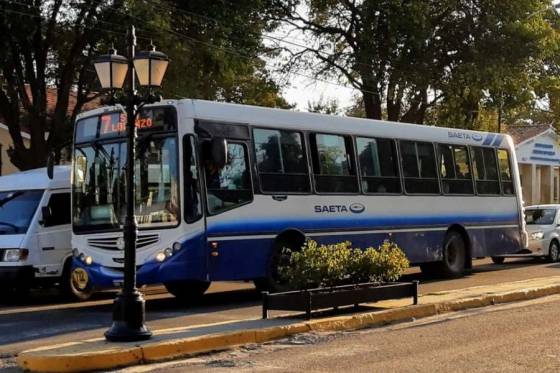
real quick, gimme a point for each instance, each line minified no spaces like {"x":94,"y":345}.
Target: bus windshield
{"x":99,"y":182}
{"x":17,"y":209}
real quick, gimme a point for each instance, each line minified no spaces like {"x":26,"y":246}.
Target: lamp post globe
{"x":150,"y":67}
{"x":111,"y":70}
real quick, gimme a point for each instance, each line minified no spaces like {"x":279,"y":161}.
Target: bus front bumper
{"x":101,"y":277}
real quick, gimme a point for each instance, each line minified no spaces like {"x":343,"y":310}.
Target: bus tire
{"x":553,"y":252}
{"x":272,"y":283}
{"x":498,"y":259}
{"x":454,"y":255}
{"x":68,"y":286}
{"x":187,"y":290}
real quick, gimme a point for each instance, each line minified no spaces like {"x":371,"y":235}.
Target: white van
{"x":35,"y":229}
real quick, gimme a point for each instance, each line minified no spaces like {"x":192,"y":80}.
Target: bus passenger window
{"x":419,"y":167}
{"x":454,"y":168}
{"x":230,"y":186}
{"x":485,"y":171}
{"x":333,"y":164}
{"x":505,"y":171}
{"x":378,"y":165}
{"x":193,"y":203}
{"x":281,"y":161}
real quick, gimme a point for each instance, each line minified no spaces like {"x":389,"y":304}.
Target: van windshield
{"x":17,"y":209}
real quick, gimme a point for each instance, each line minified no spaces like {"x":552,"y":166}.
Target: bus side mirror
{"x":218,"y":151}
{"x":47,"y":215}
{"x":50,"y":165}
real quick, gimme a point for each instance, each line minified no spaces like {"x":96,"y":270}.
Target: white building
{"x":538,"y":156}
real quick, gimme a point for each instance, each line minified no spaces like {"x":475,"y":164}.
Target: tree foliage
{"x":46,"y":44}
{"x":215,"y":49}
{"x":418,"y":59}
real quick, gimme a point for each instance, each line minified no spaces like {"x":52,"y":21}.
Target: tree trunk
{"x":372,"y":105}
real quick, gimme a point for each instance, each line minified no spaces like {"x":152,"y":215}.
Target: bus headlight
{"x":537,"y":235}
{"x":88,"y":260}
{"x":160,"y":257}
{"x":176,"y":247}
{"x":15,"y":255}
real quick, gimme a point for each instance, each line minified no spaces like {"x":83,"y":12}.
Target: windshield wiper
{"x":13,"y":226}
{"x":12,"y":196}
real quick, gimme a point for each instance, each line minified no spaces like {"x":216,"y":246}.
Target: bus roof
{"x":271,"y":117}
{"x":36,"y":179}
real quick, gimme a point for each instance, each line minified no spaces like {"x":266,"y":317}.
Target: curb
{"x":75,"y":360}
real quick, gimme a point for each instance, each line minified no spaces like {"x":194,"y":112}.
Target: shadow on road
{"x":46,"y":314}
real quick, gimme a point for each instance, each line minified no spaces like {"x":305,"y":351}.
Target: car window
{"x":540,"y":216}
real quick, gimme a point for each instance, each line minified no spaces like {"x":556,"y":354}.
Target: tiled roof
{"x":52,"y":98}
{"x":525,"y":132}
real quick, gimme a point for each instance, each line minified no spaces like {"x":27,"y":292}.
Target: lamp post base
{"x":128,"y":319}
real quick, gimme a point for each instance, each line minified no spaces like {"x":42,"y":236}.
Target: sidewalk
{"x":97,"y":354}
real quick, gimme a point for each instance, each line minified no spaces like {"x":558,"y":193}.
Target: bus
{"x":222,"y":189}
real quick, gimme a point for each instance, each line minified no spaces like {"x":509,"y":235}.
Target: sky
{"x":303,"y":90}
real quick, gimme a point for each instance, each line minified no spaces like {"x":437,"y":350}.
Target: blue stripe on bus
{"x":488,"y":139}
{"x":247,"y":258}
{"x":498,"y":140}
{"x":272,"y":225}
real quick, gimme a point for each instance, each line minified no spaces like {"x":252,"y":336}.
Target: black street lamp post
{"x":112,"y":70}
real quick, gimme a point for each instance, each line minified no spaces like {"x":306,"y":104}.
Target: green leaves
{"x":338,"y":264}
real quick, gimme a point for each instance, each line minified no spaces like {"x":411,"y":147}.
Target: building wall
{"x":6,"y":141}
{"x":539,"y":161}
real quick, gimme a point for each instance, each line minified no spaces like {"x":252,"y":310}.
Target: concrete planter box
{"x":337,"y":296}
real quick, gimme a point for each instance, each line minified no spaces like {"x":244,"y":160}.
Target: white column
{"x":551,"y":184}
{"x":535,"y":186}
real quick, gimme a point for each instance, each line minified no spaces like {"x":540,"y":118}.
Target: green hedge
{"x":339,"y":264}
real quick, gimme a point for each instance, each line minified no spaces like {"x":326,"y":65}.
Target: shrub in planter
{"x":339,"y":264}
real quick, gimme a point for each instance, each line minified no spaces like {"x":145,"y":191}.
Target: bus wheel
{"x":498,"y":259}
{"x":274,"y":282}
{"x":187,"y":290}
{"x":454,"y":254}
{"x":74,"y":284}
{"x":553,"y":252}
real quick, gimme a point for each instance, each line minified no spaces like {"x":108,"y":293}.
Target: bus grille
{"x":117,"y":243}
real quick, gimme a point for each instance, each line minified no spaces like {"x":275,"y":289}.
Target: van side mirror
{"x":47,"y":215}
{"x":218,"y":151}
{"x":50,"y":164}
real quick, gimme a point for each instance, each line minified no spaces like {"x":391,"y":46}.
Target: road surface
{"x":517,"y":337}
{"x":44,"y":319}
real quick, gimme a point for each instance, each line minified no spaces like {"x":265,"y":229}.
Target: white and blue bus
{"x":210,"y":214}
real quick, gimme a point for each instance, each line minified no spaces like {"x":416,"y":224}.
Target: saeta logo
{"x":357,"y":208}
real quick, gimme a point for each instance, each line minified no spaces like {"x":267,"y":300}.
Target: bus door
{"x":194,"y":208}
{"x":228,"y":187}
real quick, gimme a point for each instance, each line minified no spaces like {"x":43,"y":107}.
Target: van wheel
{"x":553,"y":252}
{"x":187,"y":290}
{"x":454,"y":254}
{"x":498,"y":259}
{"x":72,"y":283}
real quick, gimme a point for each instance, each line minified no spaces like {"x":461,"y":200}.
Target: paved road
{"x":519,"y":337}
{"x":45,"y":320}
